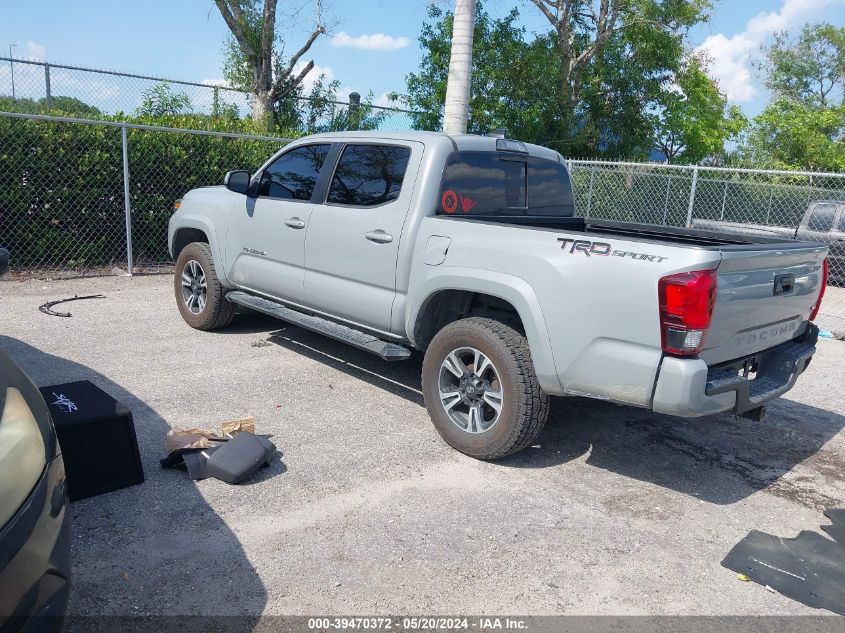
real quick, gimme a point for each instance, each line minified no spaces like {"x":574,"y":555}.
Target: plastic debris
{"x":825,"y":334}
{"x":196,"y":437}
{"x":47,"y":307}
{"x":742,"y":577}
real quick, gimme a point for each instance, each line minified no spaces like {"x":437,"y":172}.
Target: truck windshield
{"x":504,"y":183}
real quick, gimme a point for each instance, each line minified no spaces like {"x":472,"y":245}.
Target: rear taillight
{"x":686,"y":305}
{"x":818,"y":305}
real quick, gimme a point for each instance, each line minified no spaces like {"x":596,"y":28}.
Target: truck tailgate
{"x":764,"y":296}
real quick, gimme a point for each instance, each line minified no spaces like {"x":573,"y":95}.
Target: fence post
{"x":590,"y":191}
{"x":724,"y":200}
{"x":354,"y":110}
{"x":769,"y":208}
{"x":666,"y":199}
{"x":692,"y":195}
{"x":47,"y":90}
{"x":127,"y":207}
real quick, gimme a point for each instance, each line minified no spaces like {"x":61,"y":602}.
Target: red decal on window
{"x":449,"y":201}
{"x":467,"y":203}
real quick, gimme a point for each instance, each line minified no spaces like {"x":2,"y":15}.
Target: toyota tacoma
{"x":468,"y":248}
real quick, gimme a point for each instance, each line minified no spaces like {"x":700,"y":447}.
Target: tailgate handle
{"x":784,"y":284}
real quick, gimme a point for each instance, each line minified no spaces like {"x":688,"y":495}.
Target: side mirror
{"x":237,"y":180}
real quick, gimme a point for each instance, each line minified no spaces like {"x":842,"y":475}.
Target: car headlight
{"x":22,"y":453}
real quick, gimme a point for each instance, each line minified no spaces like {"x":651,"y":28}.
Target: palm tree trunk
{"x":460,"y":65}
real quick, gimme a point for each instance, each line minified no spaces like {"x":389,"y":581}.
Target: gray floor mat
{"x":809,"y":568}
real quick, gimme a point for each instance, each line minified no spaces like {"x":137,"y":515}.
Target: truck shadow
{"x":154,"y":549}
{"x":720,"y":459}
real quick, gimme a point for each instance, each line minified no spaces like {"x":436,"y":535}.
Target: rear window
{"x":504,"y":183}
{"x":821,"y":218}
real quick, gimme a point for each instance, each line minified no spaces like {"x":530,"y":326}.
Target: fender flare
{"x":514,"y":290}
{"x":202,"y":223}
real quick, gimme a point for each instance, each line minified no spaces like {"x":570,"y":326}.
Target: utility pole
{"x":12,"y":69}
{"x":460,"y":68}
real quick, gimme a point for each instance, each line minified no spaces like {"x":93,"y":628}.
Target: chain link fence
{"x":81,"y":197}
{"x":89,"y":93}
{"x":768,"y":203}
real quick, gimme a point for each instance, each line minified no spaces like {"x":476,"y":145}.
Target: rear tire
{"x":506,"y":380}
{"x":199,"y":295}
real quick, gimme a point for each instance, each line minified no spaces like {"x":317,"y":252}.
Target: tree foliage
{"x":809,"y":69}
{"x":803,"y":127}
{"x":692,"y":120}
{"x":612,"y":59}
{"x":256,"y":60}
{"x":57,"y":104}
{"x":506,"y":82}
{"x":589,"y":86}
{"x":161,"y":101}
{"x":794,"y":135}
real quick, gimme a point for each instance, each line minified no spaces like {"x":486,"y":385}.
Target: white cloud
{"x":731,"y":57}
{"x":375,"y":42}
{"x":35,"y":51}
{"x":384,"y":101}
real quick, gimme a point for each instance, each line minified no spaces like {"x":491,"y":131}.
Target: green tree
{"x":70,"y":105}
{"x":612,"y":59}
{"x":794,"y":135}
{"x":590,"y":95}
{"x":508,"y":88}
{"x":162,"y":101}
{"x":256,"y":61}
{"x":803,"y":127}
{"x":809,"y":69}
{"x":692,"y":120}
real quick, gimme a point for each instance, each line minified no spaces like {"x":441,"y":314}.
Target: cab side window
{"x":294,"y":174}
{"x":369,"y":175}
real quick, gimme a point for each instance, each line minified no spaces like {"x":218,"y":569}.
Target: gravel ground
{"x":832,"y":314}
{"x":615,"y":510}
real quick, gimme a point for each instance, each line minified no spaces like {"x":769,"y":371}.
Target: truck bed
{"x":767,"y":286}
{"x":638,"y":232}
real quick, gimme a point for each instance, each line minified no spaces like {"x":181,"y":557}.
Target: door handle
{"x":295,"y":223}
{"x":379,"y":237}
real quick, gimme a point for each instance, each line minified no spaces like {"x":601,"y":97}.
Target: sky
{"x":372,"y":44}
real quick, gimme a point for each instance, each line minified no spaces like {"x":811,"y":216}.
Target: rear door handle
{"x":295,"y":223}
{"x":379,"y":237}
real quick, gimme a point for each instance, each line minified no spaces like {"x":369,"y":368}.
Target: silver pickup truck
{"x":467,"y":248}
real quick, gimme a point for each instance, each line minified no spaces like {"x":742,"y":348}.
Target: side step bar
{"x":343,"y":333}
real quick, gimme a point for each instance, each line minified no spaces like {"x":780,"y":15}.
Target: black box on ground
{"x":97,"y":438}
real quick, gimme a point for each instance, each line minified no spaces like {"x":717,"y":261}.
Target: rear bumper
{"x":687,"y":387}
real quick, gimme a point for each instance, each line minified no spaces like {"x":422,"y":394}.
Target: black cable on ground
{"x":47,"y":307}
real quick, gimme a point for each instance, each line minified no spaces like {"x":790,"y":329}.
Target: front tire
{"x":480,"y":388}
{"x":199,"y":294}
